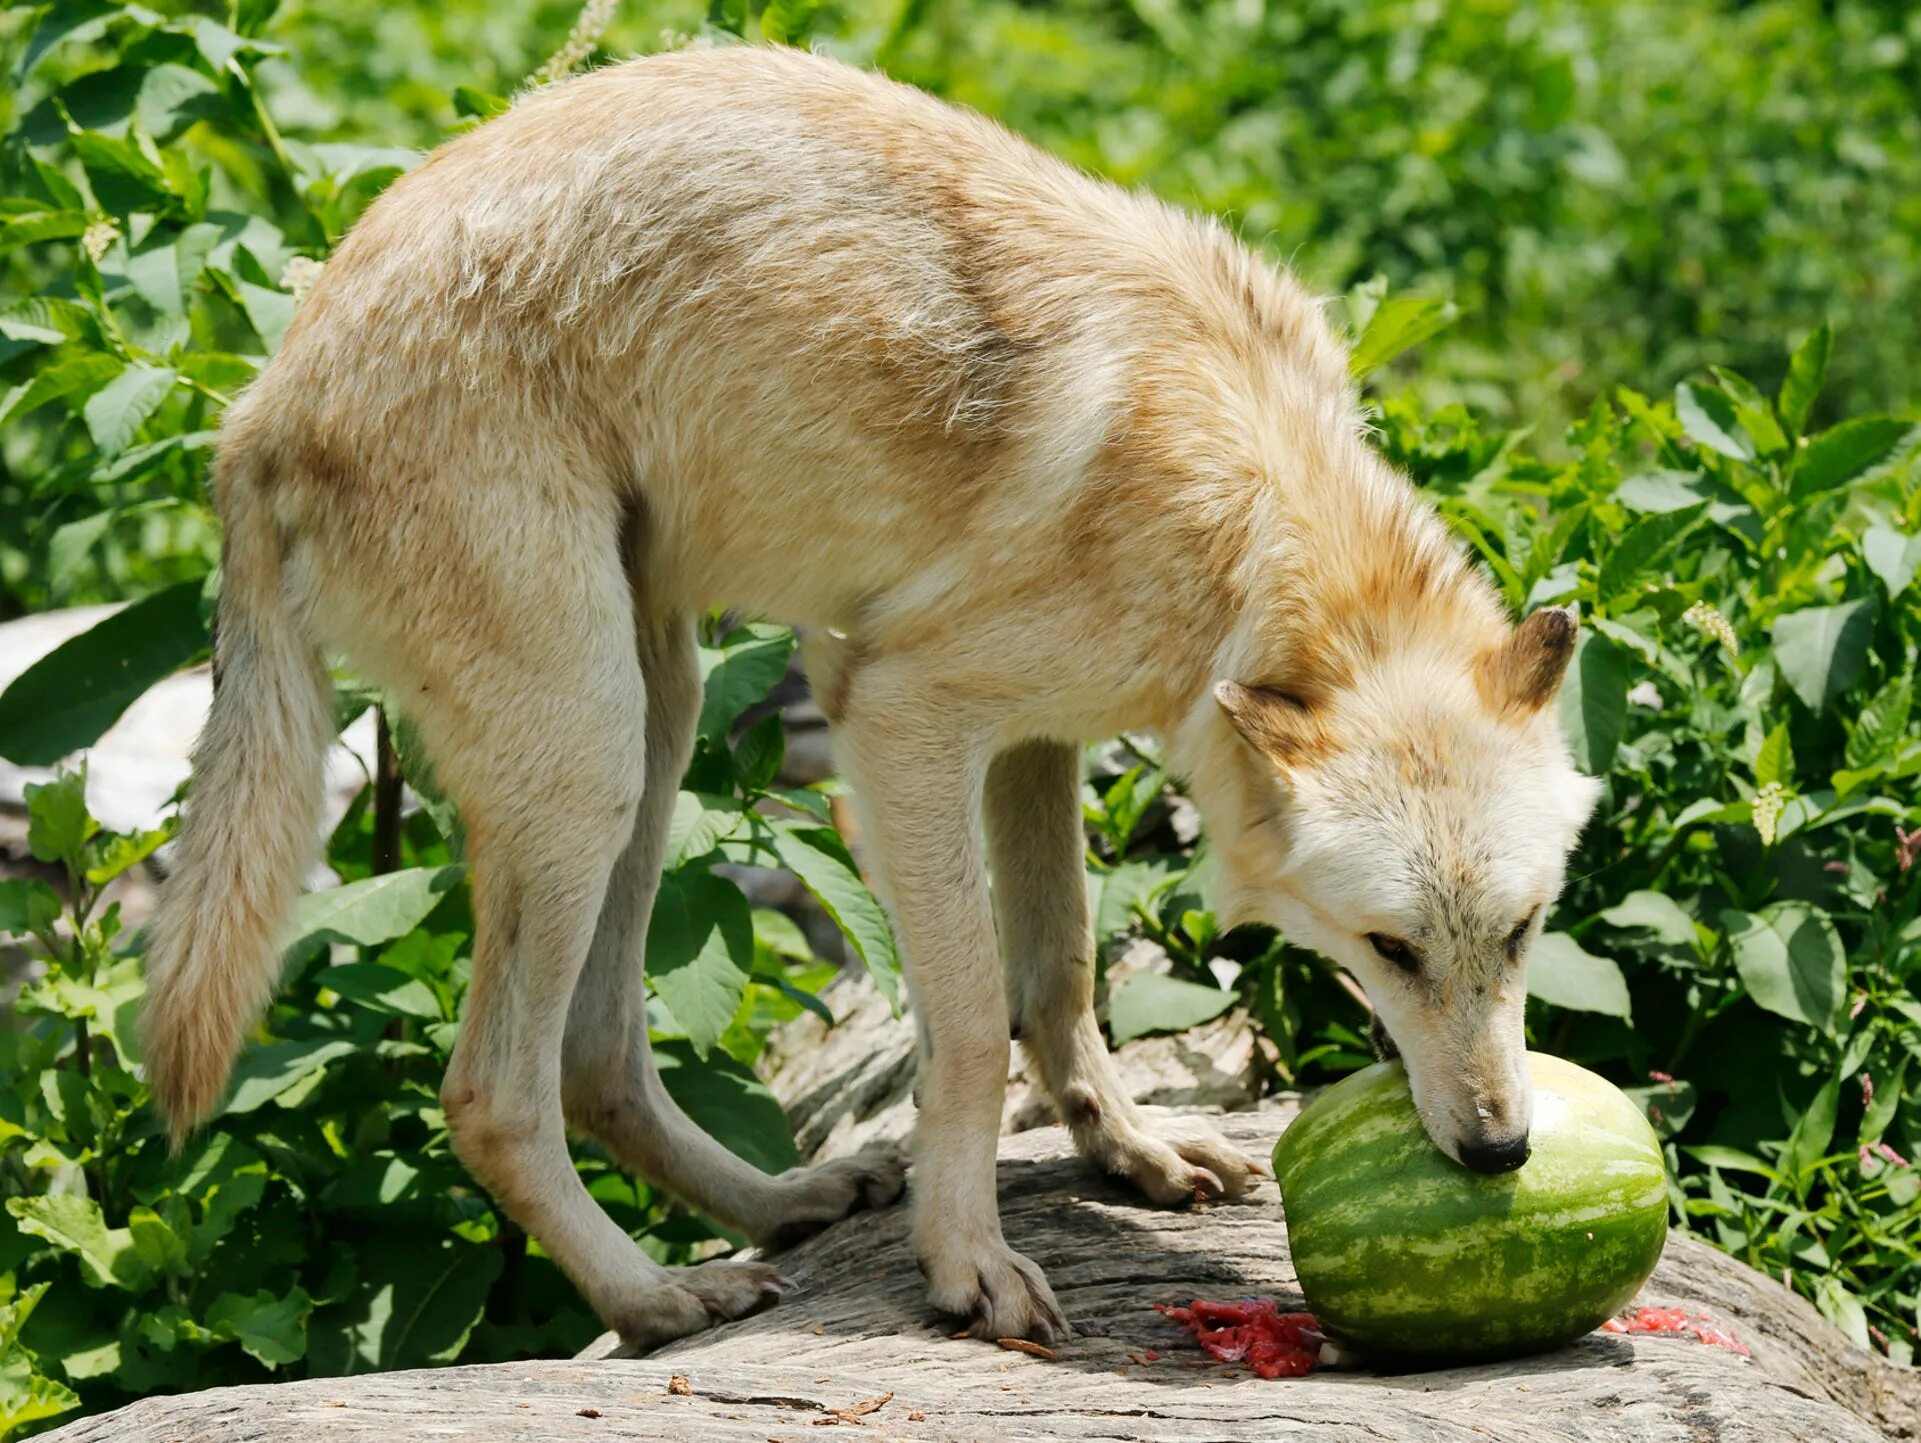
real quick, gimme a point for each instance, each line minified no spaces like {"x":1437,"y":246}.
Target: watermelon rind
{"x":1403,"y":1252}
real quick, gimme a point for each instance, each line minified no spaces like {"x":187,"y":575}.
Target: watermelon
{"x":1403,"y":1252}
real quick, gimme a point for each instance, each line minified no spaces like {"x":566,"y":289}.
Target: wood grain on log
{"x":854,"y":1347}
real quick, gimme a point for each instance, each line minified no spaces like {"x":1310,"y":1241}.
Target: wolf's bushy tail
{"x":251,"y":827}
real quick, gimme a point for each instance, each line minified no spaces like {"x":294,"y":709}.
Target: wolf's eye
{"x":1393,"y":949}
{"x":1518,"y":936}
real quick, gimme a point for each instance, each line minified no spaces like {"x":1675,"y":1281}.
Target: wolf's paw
{"x":1173,"y":1160}
{"x":691,"y":1300}
{"x":997,"y":1292}
{"x":811,"y":1198}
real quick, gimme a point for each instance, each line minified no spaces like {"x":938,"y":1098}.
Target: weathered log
{"x":856,"y":1347}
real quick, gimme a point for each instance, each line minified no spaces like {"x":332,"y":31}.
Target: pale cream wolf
{"x":1033,"y":459}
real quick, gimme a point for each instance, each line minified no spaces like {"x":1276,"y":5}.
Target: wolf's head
{"x":1413,"y":825}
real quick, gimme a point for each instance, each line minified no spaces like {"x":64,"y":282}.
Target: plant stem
{"x":387,"y":787}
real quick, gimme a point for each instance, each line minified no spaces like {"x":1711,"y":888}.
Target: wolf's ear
{"x":1524,"y":672}
{"x":1279,"y":726}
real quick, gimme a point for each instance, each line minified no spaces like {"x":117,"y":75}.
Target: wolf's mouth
{"x":1383,"y":1043}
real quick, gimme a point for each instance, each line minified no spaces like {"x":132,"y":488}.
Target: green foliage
{"x":1742,"y":923}
{"x":1566,"y":197}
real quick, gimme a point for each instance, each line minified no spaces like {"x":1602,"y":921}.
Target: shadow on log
{"x":855,"y":1348}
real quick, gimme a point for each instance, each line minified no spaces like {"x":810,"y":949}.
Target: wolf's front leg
{"x":1035,"y":839}
{"x":917,"y":777}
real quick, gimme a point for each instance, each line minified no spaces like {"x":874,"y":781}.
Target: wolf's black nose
{"x":1495,"y":1156}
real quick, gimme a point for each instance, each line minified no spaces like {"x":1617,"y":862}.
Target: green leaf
{"x":425,"y":1291}
{"x":1775,"y":760}
{"x":58,"y":823}
{"x":1892,"y":556}
{"x":1563,"y":974}
{"x":270,"y":1329}
{"x":1640,"y":548}
{"x":1813,"y":1131}
{"x":267,"y":1070}
{"x":74,"y":1225}
{"x":758,"y":757}
{"x":1842,"y":1308}
{"x":1593,"y":702}
{"x":1654,"y":912}
{"x":1151,"y":1002}
{"x":1791,"y":961}
{"x":1707,"y":416}
{"x":1396,"y":325}
{"x":118,"y":854}
{"x":1823,"y":650}
{"x":820,"y":859}
{"x":125,"y":178}
{"x":371,"y":911}
{"x":27,"y":1397}
{"x":1807,"y":368}
{"x":1882,"y":724}
{"x":73,"y":694}
{"x":382,"y":989}
{"x":1661,"y":491}
{"x":739,"y":673}
{"x":473,"y":102}
{"x":27,"y":905}
{"x":172,"y":98}
{"x":700,"y":949}
{"x":701,"y":823}
{"x":1843,"y":452}
{"x":116,"y":412}
{"x":83,"y":373}
{"x":786,"y":22}
{"x":729,"y":1103}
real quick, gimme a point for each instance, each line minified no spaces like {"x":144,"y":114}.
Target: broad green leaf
{"x":1398,"y":324}
{"x":73,"y":1224}
{"x":1878,"y":730}
{"x":1822,"y":650}
{"x":1775,"y":761}
{"x":740,"y":672}
{"x":125,"y":178}
{"x":27,"y":905}
{"x":1892,"y":556}
{"x":58,"y":823}
{"x":700,"y":823}
{"x":472,"y":101}
{"x":1880,"y":1113}
{"x":69,"y":546}
{"x":786,"y":22}
{"x":173,"y":97}
{"x":1661,"y":491}
{"x":428,"y":1290}
{"x":1654,"y":912}
{"x":1593,"y":702}
{"x":1150,"y":1002}
{"x":1843,"y":1309}
{"x":1807,"y":368}
{"x":1843,"y":452}
{"x":81,"y":374}
{"x":1642,"y":547}
{"x":73,"y":694}
{"x":820,"y":859}
{"x":266,"y":1071}
{"x":27,"y":1397}
{"x":158,"y":1243}
{"x":1707,"y":416}
{"x":272,"y":1330}
{"x":382,"y":989}
{"x":371,"y":911}
{"x":116,"y":412}
{"x":700,"y":949}
{"x":1813,"y":1131}
{"x":1791,"y":961}
{"x":121,"y":853}
{"x":1562,"y":973}
{"x":729,"y":1103}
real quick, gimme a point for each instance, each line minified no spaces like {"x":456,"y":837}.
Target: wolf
{"x":1030,"y":459}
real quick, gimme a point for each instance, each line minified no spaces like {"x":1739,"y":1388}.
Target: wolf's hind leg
{"x":1047,"y":935}
{"x":542,"y":744}
{"x":611,"y":1086}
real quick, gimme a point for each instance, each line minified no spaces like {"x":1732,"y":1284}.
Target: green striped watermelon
{"x":1402,"y":1251}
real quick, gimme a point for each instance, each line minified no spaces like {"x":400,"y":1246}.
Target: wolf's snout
{"x":1503,"y":1155}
